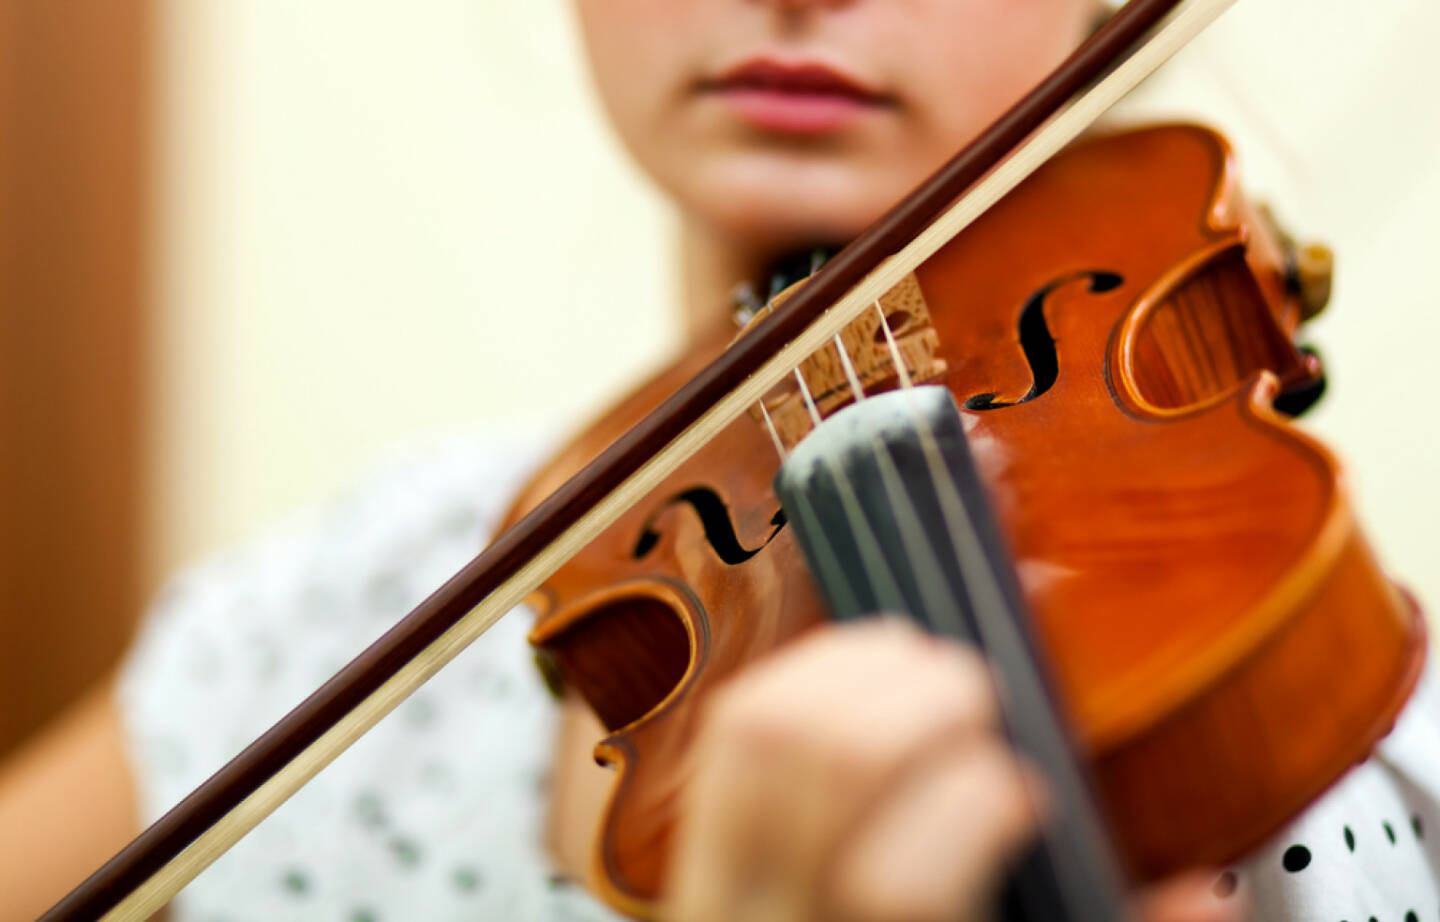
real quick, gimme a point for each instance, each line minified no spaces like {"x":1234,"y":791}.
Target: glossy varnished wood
{"x":1192,"y":562}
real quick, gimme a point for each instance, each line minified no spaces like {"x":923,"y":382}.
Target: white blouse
{"x":437,"y":813}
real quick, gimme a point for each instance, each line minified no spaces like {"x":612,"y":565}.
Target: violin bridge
{"x":824,"y":372}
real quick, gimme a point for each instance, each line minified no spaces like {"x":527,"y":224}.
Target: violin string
{"x":979,"y":587}
{"x":929,"y":577}
{"x":918,"y":547}
{"x":884,"y":582}
{"x":999,"y":637}
{"x":817,"y":259}
{"x":774,"y":433}
{"x":887,"y":585}
{"x":849,"y":367}
{"x":764,"y":411}
{"x":829,"y":569}
{"x":809,"y":400}
{"x":993,"y":631}
{"x":901,"y":371}
{"x":979,"y":590}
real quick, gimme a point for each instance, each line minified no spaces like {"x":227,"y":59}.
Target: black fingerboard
{"x":892,"y":517}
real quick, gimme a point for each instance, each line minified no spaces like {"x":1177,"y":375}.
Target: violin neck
{"x":892,"y":517}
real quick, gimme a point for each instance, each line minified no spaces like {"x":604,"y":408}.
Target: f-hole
{"x":715,"y":518}
{"x":1036,"y":341}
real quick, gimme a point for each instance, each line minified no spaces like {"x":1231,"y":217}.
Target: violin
{"x":1186,"y":556}
{"x":1068,"y":398}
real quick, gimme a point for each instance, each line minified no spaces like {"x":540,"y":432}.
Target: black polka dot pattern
{"x":466,"y":879}
{"x":1296,"y":859}
{"x":296,"y":882}
{"x":406,"y":852}
{"x":369,"y":810}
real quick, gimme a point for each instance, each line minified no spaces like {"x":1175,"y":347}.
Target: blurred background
{"x":248,"y":250}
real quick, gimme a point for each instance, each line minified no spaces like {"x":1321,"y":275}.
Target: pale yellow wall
{"x":381,"y":220}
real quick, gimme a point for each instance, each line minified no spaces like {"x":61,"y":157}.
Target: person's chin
{"x":763,"y":227}
{"x":777,"y":203}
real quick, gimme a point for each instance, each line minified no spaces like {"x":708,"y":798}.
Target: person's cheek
{"x":986,"y":54}
{"x":626,"y":43}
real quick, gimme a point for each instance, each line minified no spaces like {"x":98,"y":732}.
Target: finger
{"x":791,"y":753}
{"x":1197,"y":896}
{"x":823,"y":736}
{"x":732,"y":859}
{"x":882,"y":680}
{"x":935,"y":847}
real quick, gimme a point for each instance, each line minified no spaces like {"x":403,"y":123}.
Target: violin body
{"x":1117,"y":329}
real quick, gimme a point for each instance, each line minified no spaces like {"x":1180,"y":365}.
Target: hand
{"x":858,"y":776}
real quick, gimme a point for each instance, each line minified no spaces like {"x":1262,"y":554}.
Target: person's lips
{"x":802,"y":98}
